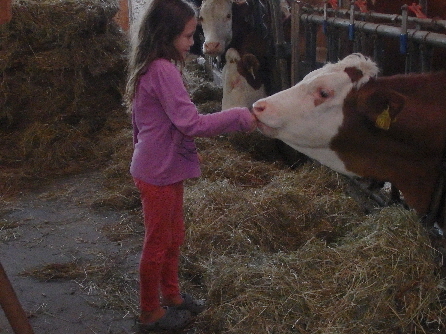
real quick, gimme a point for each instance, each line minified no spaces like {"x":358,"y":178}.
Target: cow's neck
{"x":409,"y":152}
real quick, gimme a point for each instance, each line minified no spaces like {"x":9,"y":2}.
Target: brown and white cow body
{"x":385,"y":128}
{"x":242,"y":85}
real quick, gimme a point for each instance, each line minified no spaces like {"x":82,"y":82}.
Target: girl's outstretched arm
{"x":183,"y":113}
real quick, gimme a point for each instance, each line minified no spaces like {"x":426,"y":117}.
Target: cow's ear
{"x":354,"y":73}
{"x":381,"y":106}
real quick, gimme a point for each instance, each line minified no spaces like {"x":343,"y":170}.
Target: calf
{"x":242,"y":85}
{"x":385,"y":128}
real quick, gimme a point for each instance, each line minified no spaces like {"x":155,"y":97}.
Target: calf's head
{"x":308,"y":116}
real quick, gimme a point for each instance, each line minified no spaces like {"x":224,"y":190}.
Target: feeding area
{"x":273,"y":247}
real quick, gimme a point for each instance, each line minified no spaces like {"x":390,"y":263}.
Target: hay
{"x":53,"y":21}
{"x":280,"y":250}
{"x":62,"y":78}
{"x":291,"y":209}
{"x":377,"y":279}
{"x":104,"y":283}
{"x":61,"y":271}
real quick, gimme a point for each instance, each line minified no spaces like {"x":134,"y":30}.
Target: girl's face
{"x":185,"y":40}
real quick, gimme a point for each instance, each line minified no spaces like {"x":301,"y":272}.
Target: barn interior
{"x":273,"y":246}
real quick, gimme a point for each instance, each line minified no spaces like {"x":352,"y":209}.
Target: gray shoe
{"x":173,"y":319}
{"x":190,"y":304}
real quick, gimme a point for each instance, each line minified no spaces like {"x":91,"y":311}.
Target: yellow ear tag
{"x":383,"y":120}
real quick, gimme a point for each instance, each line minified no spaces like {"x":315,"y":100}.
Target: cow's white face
{"x":308,"y":115}
{"x":216,"y":20}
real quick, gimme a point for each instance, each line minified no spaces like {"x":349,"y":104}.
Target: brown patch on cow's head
{"x":248,"y":66}
{"x":380,"y":105}
{"x":354,"y":73}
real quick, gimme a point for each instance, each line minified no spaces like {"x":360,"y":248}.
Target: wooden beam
{"x":11,"y":306}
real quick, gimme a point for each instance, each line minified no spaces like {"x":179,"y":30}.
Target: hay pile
{"x":61,"y":80}
{"x":294,"y":254}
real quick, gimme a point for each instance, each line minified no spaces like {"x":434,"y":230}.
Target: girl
{"x":164,"y":122}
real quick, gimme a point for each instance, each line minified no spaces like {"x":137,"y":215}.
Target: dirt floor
{"x":56,"y":227}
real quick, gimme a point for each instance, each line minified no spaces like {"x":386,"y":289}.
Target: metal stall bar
{"x":392,"y":18}
{"x":295,"y":47}
{"x":435,"y":39}
{"x":280,"y":49}
{"x":424,"y":40}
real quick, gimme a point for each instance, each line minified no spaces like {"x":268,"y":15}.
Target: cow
{"x":239,"y":24}
{"x":388,"y":128}
{"x":242,"y":85}
{"x":245,"y":25}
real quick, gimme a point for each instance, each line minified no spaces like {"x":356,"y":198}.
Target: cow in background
{"x":246,"y":26}
{"x":239,"y":24}
{"x":385,"y":128}
{"x":242,"y":85}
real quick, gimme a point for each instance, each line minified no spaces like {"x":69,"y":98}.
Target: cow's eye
{"x":228,"y":16}
{"x":324,"y":94}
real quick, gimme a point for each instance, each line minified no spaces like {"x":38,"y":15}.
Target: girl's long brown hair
{"x":162,"y":22}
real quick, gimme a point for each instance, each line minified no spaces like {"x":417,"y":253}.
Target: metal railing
{"x":347,"y":31}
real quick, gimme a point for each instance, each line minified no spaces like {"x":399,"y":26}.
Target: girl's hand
{"x":253,"y":123}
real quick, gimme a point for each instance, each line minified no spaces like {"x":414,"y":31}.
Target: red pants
{"x":164,"y":234}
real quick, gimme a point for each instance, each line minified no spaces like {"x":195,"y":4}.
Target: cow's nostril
{"x":258,"y":107}
{"x":211,"y":45}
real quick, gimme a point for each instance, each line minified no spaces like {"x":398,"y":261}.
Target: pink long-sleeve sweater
{"x":165,"y":122}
